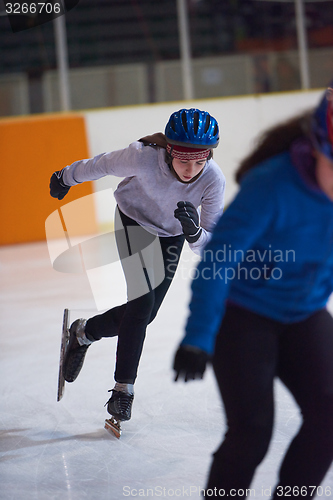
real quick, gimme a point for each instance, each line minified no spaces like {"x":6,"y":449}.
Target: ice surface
{"x":53,"y":450}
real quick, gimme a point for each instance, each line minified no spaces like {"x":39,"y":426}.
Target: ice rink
{"x":60,"y":450}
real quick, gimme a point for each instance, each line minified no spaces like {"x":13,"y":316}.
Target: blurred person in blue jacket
{"x":258,"y":307}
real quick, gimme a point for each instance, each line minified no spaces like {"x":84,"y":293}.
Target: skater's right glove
{"x":190,"y":363}
{"x":58,"y":188}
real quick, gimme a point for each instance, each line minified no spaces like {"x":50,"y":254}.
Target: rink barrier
{"x":31,"y":149}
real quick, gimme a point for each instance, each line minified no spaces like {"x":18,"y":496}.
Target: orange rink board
{"x":31,"y":149}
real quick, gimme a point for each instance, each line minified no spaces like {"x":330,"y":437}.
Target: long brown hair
{"x":274,"y":141}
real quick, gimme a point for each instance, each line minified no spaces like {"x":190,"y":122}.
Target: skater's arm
{"x":212,"y":205}
{"x":122,"y":163}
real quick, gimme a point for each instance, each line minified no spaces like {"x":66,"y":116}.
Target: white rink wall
{"x":241,"y":120}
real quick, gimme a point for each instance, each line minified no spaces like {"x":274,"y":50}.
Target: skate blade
{"x":63,"y":347}
{"x":112,"y":425}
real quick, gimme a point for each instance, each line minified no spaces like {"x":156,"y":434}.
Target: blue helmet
{"x":194,"y":128}
{"x":322,"y":125}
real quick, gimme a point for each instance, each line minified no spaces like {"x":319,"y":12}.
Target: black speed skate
{"x":120,"y":408}
{"x":76,"y":350}
{"x":120,"y":405}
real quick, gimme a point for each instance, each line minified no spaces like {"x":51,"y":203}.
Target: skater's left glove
{"x":188,"y":216}
{"x":190,"y":363}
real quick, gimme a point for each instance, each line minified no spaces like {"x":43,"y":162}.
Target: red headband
{"x":186,"y":154}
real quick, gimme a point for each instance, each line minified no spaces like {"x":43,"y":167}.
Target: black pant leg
{"x":306,"y":368}
{"x":171,"y":250}
{"x":129,"y":241}
{"x":245,"y":363}
{"x":141,"y":311}
{"x":105,"y":324}
{"x":129,"y":321}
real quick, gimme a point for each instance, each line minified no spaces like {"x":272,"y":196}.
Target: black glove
{"x":188,"y":216}
{"x":190,"y":363}
{"x":58,"y":188}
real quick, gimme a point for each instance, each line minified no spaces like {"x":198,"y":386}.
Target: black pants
{"x":129,"y":321}
{"x":250,"y":352}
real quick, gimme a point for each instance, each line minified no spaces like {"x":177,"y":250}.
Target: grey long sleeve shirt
{"x":149,"y":192}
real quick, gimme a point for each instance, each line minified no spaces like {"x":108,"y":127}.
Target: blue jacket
{"x":271,"y":252}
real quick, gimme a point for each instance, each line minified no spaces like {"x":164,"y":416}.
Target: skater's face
{"x":186,"y":170}
{"x":324,"y":174}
